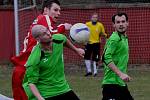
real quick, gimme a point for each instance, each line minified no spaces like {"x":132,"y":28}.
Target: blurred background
{"x":74,"y":11}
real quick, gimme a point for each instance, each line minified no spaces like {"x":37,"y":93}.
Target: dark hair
{"x":48,"y":4}
{"x":119,"y":14}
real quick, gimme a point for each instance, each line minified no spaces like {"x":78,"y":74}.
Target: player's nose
{"x":49,"y":35}
{"x":58,"y":12}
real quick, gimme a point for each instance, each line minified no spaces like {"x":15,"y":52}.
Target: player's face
{"x":45,"y":36}
{"x":94,"y":18}
{"x":54,"y":12}
{"x":120,"y":24}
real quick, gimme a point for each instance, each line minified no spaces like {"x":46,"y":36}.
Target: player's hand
{"x":80,"y":52}
{"x":41,"y":98}
{"x":107,"y":36}
{"x":125,"y":77}
{"x":67,"y":26}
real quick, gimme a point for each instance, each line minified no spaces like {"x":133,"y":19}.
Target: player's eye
{"x":123,"y":21}
{"x":118,"y":22}
{"x":56,"y":9}
{"x":44,"y":33}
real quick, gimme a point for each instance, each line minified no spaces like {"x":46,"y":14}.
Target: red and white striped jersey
{"x":29,"y":41}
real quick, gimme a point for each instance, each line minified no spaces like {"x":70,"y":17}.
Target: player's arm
{"x":110,"y":49}
{"x":32,"y":71}
{"x":79,"y":51}
{"x":63,"y":27}
{"x":46,"y":21}
{"x":35,"y":92}
{"x":122,"y":75}
{"x":32,"y":74}
{"x":103,"y":31}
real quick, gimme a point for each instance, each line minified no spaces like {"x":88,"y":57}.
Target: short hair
{"x":48,"y":4}
{"x":119,"y":14}
{"x":36,"y":30}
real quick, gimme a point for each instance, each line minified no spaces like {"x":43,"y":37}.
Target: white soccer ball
{"x":79,"y":33}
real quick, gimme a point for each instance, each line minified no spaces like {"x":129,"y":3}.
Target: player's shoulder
{"x":38,"y":18}
{"x":41,"y":18}
{"x":35,"y":55}
{"x":58,"y":37}
{"x":100,"y":23}
{"x":114,"y":37}
{"x":88,"y":23}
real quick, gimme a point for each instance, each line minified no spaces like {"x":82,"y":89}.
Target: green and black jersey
{"x":115,"y":50}
{"x":46,"y":70}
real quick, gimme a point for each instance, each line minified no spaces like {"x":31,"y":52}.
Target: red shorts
{"x":17,"y":79}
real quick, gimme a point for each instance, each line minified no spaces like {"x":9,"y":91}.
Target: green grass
{"x":89,"y":88}
{"x":5,"y":80}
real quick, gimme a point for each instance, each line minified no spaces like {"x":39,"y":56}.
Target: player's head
{"x":120,"y":22}
{"x":41,"y":33}
{"x":94,"y":18}
{"x":51,"y":8}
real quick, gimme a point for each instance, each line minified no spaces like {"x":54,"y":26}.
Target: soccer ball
{"x":79,"y":33}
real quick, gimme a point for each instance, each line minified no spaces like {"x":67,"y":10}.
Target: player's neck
{"x":123,"y":33}
{"x":94,"y":23}
{"x":46,"y":46}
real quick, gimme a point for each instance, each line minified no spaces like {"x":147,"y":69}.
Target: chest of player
{"x":95,"y":29}
{"x":53,"y":58}
{"x":122,"y":46}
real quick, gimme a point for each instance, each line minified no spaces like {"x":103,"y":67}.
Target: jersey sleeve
{"x":61,"y":28}
{"x":109,"y":50}
{"x":103,"y":30}
{"x":32,"y":71}
{"x":32,"y":74}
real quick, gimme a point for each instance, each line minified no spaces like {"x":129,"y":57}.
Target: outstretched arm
{"x":35,"y":92}
{"x":46,"y":21}
{"x":79,"y":51}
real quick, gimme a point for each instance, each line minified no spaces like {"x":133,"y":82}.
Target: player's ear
{"x":38,"y":39}
{"x":127,"y":23}
{"x":113,"y":25}
{"x":46,"y":10}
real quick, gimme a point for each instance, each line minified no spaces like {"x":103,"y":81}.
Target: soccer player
{"x":50,"y":14}
{"x":115,"y":60}
{"x":92,"y":49}
{"x":45,"y":78}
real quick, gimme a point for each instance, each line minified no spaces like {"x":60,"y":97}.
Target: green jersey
{"x":116,"y":50}
{"x":46,"y":70}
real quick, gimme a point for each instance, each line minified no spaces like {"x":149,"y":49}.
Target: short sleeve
{"x":102,"y":30}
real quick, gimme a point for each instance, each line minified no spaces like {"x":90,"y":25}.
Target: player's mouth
{"x":55,"y":17}
{"x":121,"y":28}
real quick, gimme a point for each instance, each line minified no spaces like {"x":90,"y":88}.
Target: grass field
{"x":89,"y":88}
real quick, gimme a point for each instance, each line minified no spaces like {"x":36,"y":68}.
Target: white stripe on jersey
{"x":49,"y":24}
{"x":60,"y":25}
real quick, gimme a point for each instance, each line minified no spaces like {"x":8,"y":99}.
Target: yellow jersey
{"x":96,"y":31}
